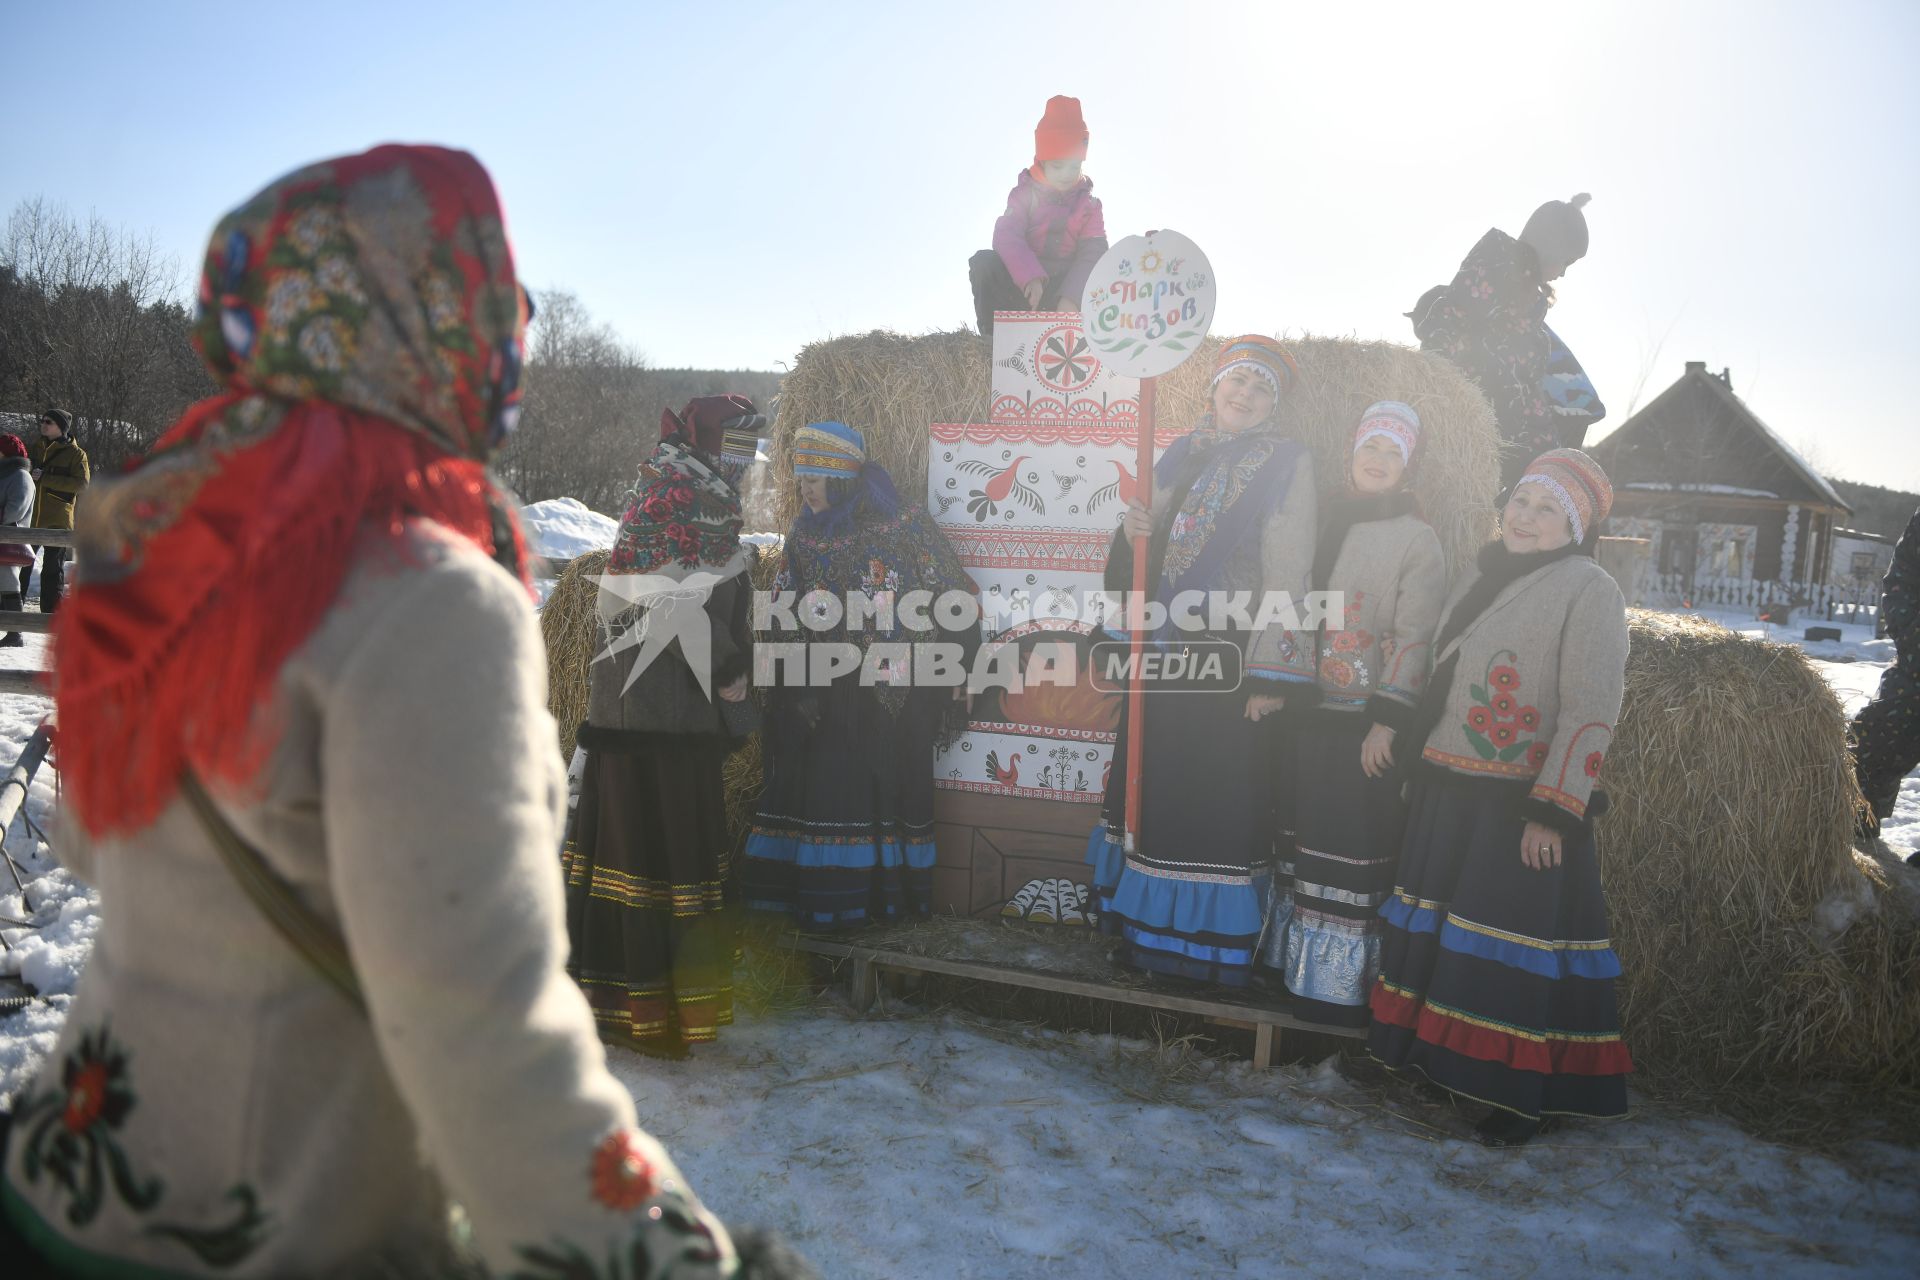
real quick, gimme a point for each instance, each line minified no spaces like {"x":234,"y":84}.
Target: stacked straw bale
{"x":893,"y":388}
{"x":1761,"y":952}
{"x":571,"y":631}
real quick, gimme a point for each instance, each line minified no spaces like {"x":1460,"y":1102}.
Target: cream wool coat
{"x":1393,"y":580}
{"x":240,"y":1117}
{"x":1538,"y":686}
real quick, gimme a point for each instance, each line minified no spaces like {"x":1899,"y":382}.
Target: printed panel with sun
{"x":1043,"y":370}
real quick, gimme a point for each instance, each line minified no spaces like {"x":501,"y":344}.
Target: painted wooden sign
{"x":1148,"y":304}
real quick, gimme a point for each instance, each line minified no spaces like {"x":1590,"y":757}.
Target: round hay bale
{"x":571,"y":632}
{"x":1760,"y":951}
{"x":893,"y":388}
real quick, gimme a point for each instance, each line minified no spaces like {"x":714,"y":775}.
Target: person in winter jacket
{"x":60,"y":468}
{"x":1886,"y":732}
{"x":1496,"y":970}
{"x":16,"y":510}
{"x":1046,"y":244}
{"x":1491,"y":322}
{"x":309,"y":769}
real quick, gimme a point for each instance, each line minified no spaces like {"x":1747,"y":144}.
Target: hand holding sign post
{"x":1147,"y":306}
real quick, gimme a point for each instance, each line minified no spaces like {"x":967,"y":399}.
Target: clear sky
{"x":727,"y":182}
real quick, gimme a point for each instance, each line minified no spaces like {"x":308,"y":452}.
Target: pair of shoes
{"x":1054,"y":901}
{"x":1023,"y":901}
{"x":1505,"y":1129}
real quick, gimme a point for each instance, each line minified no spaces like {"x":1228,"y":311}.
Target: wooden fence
{"x":23,"y":680}
{"x":1847,"y":601}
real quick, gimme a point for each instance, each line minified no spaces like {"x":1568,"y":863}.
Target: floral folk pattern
{"x":70,"y":1136}
{"x":1343,"y":656}
{"x":1499,"y":725}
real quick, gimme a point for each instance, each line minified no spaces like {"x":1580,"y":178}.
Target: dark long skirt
{"x":1497,"y":982}
{"x":1191,"y":899}
{"x":654,"y":936}
{"x":843,"y":834}
{"x":1323,"y":932}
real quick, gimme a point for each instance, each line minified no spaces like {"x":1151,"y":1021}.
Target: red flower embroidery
{"x":1593,"y":764}
{"x":1530,"y":718}
{"x":623,"y":1177}
{"x":1504,"y":678}
{"x":1503,"y":735}
{"x":1345,"y":641}
{"x":1536,"y":755}
{"x":1504,"y":704}
{"x":1479,"y":718}
{"x":1337,"y":670}
{"x":86,"y":1096}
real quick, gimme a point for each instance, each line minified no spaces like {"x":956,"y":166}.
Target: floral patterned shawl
{"x":365,"y":325}
{"x":681,"y":515}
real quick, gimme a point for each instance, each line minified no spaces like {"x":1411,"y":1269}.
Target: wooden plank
{"x":1264,"y":1041}
{"x":42,"y":537}
{"x":19,"y":620}
{"x":1037,"y":980}
{"x":865,"y":985}
{"x":17,"y":681}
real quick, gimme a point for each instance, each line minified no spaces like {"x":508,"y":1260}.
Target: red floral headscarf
{"x":363,"y":319}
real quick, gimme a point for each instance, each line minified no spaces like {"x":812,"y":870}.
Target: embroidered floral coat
{"x":1376,"y":655}
{"x":1538,"y":686}
{"x":213,"y":1107}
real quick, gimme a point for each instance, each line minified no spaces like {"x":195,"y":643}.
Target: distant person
{"x":653,"y":926}
{"x":1046,"y":244}
{"x":16,"y":510}
{"x":1886,"y":732}
{"x":60,"y":467}
{"x":310,"y":770}
{"x":1492,"y":323}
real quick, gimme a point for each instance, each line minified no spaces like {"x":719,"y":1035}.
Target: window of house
{"x":1863,"y":564}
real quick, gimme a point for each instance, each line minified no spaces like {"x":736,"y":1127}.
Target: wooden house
{"x":1734,"y":514}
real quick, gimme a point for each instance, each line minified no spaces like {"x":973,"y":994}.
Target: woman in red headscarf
{"x":654,"y":938}
{"x":310,"y":771}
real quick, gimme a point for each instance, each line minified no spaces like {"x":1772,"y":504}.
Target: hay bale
{"x":570,"y":628}
{"x":1760,"y":951}
{"x":893,"y":388}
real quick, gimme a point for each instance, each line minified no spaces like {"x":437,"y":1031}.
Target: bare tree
{"x":590,"y":412}
{"x":92,"y":318}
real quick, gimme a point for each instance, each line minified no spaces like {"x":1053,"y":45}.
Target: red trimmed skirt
{"x":1497,"y":982}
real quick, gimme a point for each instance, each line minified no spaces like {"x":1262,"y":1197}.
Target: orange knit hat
{"x":1061,"y":133}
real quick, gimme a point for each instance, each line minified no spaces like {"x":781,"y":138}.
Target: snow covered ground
{"x":910,"y":1144}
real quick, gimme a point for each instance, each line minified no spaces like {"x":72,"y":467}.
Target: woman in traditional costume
{"x":1232,"y":511}
{"x":1496,"y":973}
{"x":654,"y":937}
{"x":843,"y":835}
{"x":1383,"y":564}
{"x":309,"y":768}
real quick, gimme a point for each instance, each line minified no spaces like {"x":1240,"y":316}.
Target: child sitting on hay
{"x":1046,"y":243}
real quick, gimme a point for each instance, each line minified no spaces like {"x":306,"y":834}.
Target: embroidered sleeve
{"x":1280,"y":652}
{"x":1422,"y":590}
{"x":1593,"y":667}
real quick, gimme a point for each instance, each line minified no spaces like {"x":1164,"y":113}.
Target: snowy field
{"x":909,"y":1144}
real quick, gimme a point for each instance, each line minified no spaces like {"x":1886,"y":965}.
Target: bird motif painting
{"x":1002,"y":483}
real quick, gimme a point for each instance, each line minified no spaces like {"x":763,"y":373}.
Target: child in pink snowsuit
{"x":1046,"y":243}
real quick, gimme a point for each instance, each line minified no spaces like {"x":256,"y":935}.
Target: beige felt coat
{"x":213,"y":1108}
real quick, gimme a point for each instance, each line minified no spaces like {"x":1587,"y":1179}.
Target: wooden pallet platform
{"x":896,"y":950}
